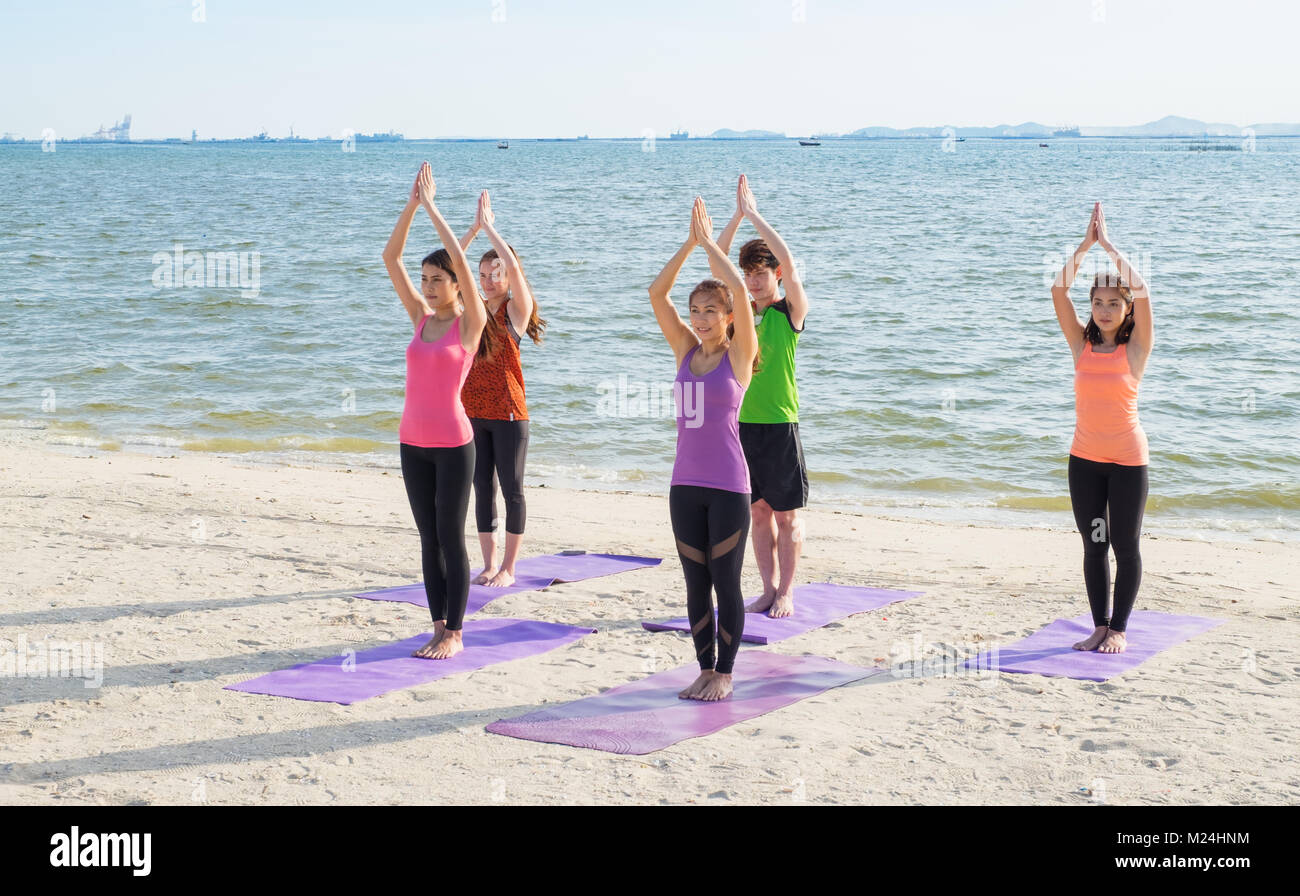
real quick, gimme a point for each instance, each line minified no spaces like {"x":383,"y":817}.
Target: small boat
{"x":961,"y":139}
{"x":810,"y":143}
{"x":1043,"y":145}
{"x":503,"y":144}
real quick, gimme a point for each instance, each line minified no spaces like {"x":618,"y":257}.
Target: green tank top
{"x":773,"y":395}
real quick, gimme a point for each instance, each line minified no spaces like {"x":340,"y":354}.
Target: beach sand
{"x":195,"y":572}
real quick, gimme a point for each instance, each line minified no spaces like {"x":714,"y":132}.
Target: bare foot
{"x":762,"y":604}
{"x":426,"y":652}
{"x":483,"y":577}
{"x":717,"y":688}
{"x":1091,"y":642}
{"x":696,"y":686}
{"x":782,"y":606}
{"x":1115,"y":643}
{"x":502,"y":579}
{"x":450,"y":645}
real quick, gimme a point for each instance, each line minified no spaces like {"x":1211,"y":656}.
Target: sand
{"x":193,"y":572}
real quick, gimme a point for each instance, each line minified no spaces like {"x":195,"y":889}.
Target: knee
{"x":788,"y":522}
{"x":760,"y":512}
{"x":1126,"y":550}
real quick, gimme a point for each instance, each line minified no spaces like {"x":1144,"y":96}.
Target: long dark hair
{"x":536,"y":323}
{"x":492,"y":336}
{"x":1091,"y":332}
{"x":719,"y":288}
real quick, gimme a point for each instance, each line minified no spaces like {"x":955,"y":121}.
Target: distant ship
{"x":1066,"y":132}
{"x":503,"y":144}
{"x":813,"y":142}
{"x":679,"y":135}
{"x":961,"y":139}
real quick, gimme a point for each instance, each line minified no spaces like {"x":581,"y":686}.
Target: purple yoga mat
{"x":647,"y":715}
{"x":576,"y":567}
{"x":479,"y":595}
{"x":814,"y":606}
{"x":531,"y":574}
{"x":382,"y":669}
{"x":1048,"y":651}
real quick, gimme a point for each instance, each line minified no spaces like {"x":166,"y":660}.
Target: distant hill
{"x":1169,"y":126}
{"x":1028,"y":129}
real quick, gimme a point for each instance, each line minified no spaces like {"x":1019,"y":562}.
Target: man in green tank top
{"x":769,"y":414}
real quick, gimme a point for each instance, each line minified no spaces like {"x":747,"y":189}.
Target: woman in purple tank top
{"x":708,"y":499}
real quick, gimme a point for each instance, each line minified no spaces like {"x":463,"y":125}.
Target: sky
{"x":613,"y":68}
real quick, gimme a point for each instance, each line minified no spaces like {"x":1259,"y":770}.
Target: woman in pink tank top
{"x":436,"y":442}
{"x":708,"y":499}
{"x":1108,"y":457}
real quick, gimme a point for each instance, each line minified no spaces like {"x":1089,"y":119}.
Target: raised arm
{"x":521,"y":297}
{"x":1066,"y":315}
{"x":725,"y":239}
{"x":412,"y":299}
{"x":681,"y":337}
{"x":475,"y":316}
{"x":744,"y":342}
{"x":796,"y":299}
{"x":1143,"y":335}
{"x":468,"y":238}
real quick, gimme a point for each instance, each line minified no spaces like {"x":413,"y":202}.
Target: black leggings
{"x":1108,"y":502}
{"x":437,"y":485}
{"x":710,"y":526}
{"x":500,"y":447}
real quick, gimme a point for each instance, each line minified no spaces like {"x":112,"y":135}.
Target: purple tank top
{"x":708,"y":435}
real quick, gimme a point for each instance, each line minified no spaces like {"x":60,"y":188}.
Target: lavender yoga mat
{"x":575,"y":567}
{"x":531,"y":574}
{"x":1048,"y":651}
{"x":379,"y":670}
{"x":814,"y":606}
{"x":647,"y":715}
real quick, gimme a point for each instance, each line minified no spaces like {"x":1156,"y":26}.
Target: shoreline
{"x":982,"y":513}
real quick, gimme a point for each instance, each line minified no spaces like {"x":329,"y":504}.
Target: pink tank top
{"x":433,"y":416}
{"x":1105,"y":405}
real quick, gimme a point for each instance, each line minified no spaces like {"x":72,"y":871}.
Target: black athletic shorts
{"x":777,"y":472}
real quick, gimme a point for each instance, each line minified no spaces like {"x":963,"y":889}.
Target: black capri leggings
{"x":500,"y":446}
{"x":437,"y":485}
{"x":710,"y":526}
{"x":1108,"y":502}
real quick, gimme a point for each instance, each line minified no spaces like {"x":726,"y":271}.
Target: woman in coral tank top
{"x":437,"y":444}
{"x":1108,"y":458}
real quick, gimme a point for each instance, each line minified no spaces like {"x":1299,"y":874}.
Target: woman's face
{"x":1108,"y":308}
{"x":710,"y":317}
{"x":438,"y":287}
{"x":492,"y":279}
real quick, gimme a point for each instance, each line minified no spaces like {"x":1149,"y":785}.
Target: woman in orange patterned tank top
{"x":1108,"y":457}
{"x":493,"y":396}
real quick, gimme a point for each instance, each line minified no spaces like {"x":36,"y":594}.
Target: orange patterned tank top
{"x":494,"y":389}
